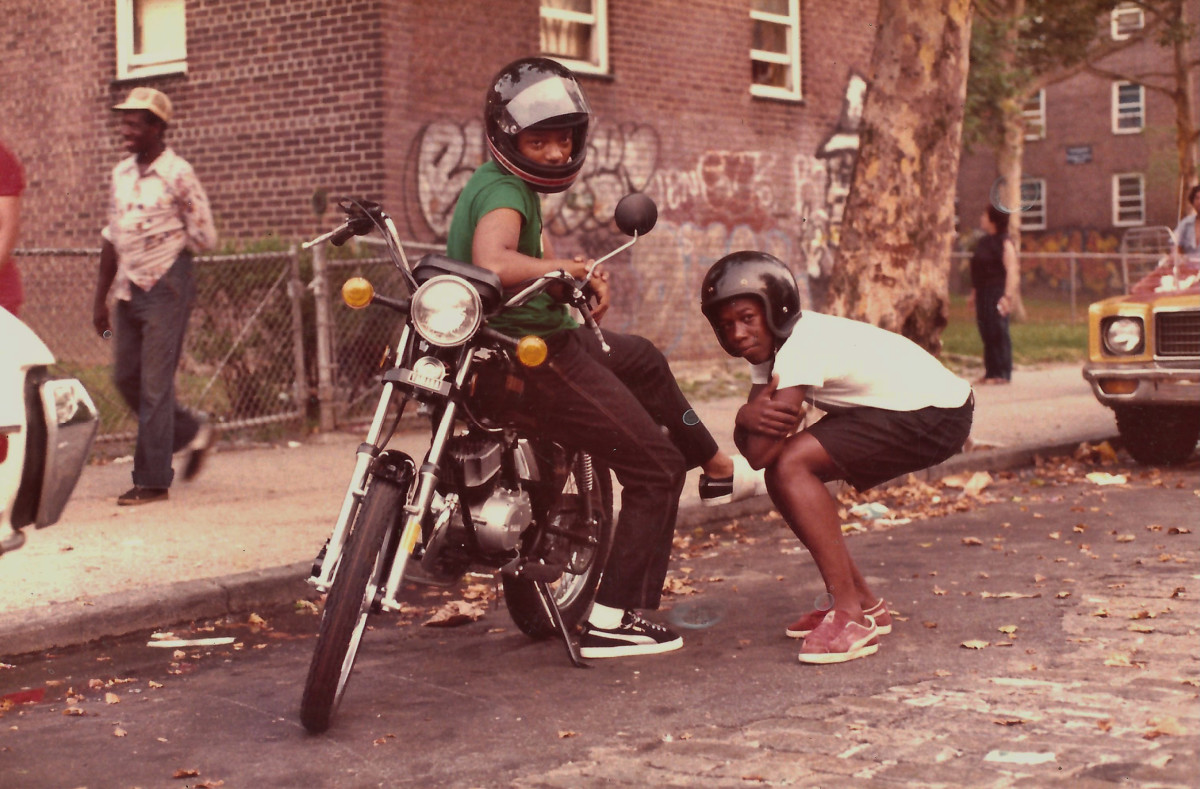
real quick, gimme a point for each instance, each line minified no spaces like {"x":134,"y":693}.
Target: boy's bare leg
{"x":718,"y":466}
{"x":796,"y":482}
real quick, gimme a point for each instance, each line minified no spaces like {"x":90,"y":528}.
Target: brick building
{"x":737,"y":116}
{"x":1100,"y":154}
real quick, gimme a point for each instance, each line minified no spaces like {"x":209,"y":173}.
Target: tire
{"x":1159,"y":435}
{"x":576,"y":589}
{"x":350,"y":600}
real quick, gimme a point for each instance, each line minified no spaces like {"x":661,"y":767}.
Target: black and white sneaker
{"x":634,"y":636}
{"x":744,"y":483}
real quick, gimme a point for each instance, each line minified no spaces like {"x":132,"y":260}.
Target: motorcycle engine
{"x":500,"y":515}
{"x":501,"y":519}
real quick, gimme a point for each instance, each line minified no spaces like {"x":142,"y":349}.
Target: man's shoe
{"x":744,"y":483}
{"x":808,"y":623}
{"x":139,"y":495}
{"x":634,"y":636}
{"x":198,"y":449}
{"x":839,"y":638}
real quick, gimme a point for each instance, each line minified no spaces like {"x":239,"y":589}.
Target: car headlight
{"x":446,"y":311}
{"x":1124,"y":336}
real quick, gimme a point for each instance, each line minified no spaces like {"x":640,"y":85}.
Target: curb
{"x":63,"y":625}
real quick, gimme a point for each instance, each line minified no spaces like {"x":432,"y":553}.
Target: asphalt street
{"x":1045,"y":635}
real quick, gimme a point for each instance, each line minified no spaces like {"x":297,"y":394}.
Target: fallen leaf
{"x":1125,"y":538}
{"x":1009,"y":721}
{"x":256,"y":621}
{"x":1165,"y":725}
{"x":1009,"y":595}
{"x":972,"y":541}
{"x":1008,"y":630}
{"x":1104,"y":478}
{"x":1179,"y":530}
{"x":975,"y":644}
{"x":455,"y":613}
{"x":112,"y":698}
{"x":74,"y":711}
{"x":567,"y":734}
{"x":186,"y":773}
{"x":1105,"y":725}
{"x":941,"y":672}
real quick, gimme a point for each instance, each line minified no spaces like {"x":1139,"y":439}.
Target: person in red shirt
{"x":12,"y":183}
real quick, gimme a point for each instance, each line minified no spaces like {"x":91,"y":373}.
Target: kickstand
{"x":551,"y":608}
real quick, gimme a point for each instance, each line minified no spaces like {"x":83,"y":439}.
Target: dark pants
{"x":149,"y":331}
{"x":616,"y":407}
{"x":993,"y":330}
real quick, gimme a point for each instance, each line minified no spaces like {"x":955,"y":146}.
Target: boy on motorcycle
{"x":891,"y":408}
{"x":611,"y":405}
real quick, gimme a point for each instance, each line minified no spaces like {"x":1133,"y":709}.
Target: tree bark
{"x":894,"y":259}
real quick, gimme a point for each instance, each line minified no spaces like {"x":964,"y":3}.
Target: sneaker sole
{"x":630,"y":650}
{"x":883,"y":630}
{"x":824,"y":659}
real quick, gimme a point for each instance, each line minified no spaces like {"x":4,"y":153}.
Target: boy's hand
{"x":769,"y":417}
{"x":599,"y":285}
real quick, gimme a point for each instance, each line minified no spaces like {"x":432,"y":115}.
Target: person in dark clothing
{"x":995,"y":279}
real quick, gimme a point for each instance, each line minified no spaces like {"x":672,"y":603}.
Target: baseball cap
{"x":148,"y":99}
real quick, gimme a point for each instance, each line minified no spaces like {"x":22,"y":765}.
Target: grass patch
{"x":1047,"y":335}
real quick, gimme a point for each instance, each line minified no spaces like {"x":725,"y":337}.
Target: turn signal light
{"x":1118,"y":386}
{"x":532,"y":351}
{"x":357,"y":293}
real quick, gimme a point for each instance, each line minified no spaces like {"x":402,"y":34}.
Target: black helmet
{"x":536,"y":93}
{"x":754,"y":274}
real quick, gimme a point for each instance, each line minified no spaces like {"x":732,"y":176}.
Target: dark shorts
{"x":874,"y":445}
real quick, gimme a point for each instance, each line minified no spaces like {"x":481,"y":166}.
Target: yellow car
{"x":1144,"y":361}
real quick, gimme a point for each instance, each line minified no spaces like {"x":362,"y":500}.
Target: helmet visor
{"x":549,"y":98}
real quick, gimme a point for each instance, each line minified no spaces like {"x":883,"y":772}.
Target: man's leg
{"x":163,"y":427}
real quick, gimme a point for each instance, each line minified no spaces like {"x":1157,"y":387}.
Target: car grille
{"x":1177,"y":333}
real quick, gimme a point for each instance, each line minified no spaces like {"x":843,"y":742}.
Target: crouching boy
{"x":891,"y":408}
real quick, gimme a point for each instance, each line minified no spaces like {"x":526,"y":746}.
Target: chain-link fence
{"x":270,"y":346}
{"x":243,"y":360}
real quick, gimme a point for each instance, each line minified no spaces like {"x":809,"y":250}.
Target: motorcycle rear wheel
{"x":574,"y":591}
{"x":350,"y":599}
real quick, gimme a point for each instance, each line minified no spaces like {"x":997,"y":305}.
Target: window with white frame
{"x":1125,"y":20}
{"x":151,"y":38}
{"x":1129,"y":199}
{"x":1033,"y":204}
{"x":1034,"y":113}
{"x":1128,"y":108}
{"x":575,"y":32}
{"x":775,"y":48}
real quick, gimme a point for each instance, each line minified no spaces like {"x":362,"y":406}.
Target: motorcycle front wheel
{"x":359,"y":574}
{"x":582,"y":540}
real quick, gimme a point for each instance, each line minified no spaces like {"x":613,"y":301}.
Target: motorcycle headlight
{"x":446,"y":311}
{"x":1123,"y":336}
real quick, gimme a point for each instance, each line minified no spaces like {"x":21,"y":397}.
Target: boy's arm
{"x":769,"y":416}
{"x":494,"y":247}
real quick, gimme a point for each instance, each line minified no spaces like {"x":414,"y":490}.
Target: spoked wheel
{"x":580,"y":535}
{"x":359,"y":574}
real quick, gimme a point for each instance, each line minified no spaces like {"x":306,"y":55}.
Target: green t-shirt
{"x":490,"y":188}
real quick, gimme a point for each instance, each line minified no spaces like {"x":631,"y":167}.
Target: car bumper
{"x":1125,"y":384}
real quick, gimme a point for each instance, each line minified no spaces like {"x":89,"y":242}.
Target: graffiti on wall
{"x":723,"y":201}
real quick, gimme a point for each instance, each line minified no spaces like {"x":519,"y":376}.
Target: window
{"x":576,"y":33}
{"x":1033,"y":204}
{"x":1125,"y":20}
{"x":151,"y":38}
{"x":1129,"y":108}
{"x":1129,"y":199}
{"x":775,"y":48}
{"x":1034,"y":113}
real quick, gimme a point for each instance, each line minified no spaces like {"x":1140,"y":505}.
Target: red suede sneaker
{"x":839,"y":638}
{"x":807,"y":623}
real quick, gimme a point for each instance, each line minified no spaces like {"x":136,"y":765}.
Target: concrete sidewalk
{"x":243,"y":535}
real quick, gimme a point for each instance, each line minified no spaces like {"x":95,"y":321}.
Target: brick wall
{"x":383,"y":99}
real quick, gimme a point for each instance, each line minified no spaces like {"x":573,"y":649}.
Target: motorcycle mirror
{"x":636,"y":214}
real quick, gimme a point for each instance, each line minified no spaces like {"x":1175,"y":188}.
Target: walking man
{"x":158,"y":217}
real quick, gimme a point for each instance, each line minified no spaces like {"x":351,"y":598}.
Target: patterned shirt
{"x":153,"y":216}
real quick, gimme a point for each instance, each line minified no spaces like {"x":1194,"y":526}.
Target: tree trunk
{"x":894,"y":259}
{"x":1183,"y":96}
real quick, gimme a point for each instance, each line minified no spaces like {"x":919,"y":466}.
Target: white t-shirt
{"x":849,"y":364}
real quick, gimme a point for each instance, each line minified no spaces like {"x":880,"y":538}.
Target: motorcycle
{"x":491,"y":493}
